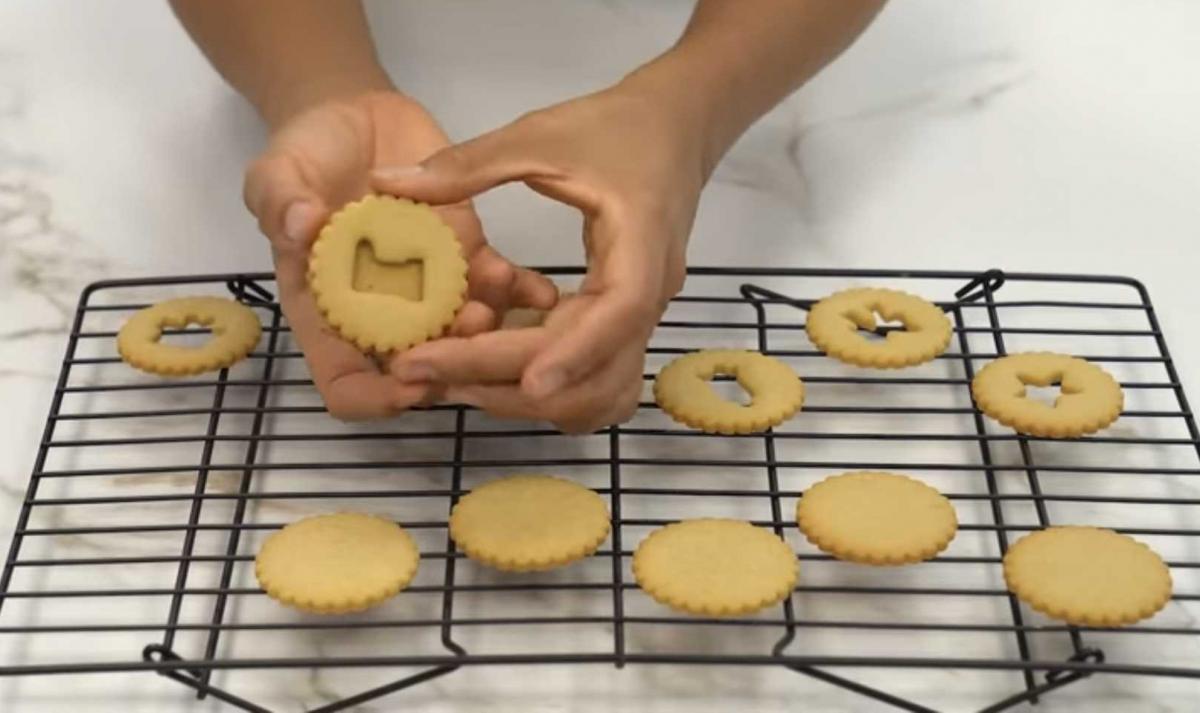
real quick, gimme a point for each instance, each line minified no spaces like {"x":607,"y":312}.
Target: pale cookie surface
{"x":338,"y":563}
{"x":1090,"y":398}
{"x":1087,"y":576}
{"x":684,"y":390}
{"x":235,"y":331}
{"x":876,"y":518}
{"x":715,"y":567}
{"x":525,"y":523}
{"x":376,"y":316}
{"x":834,"y":323}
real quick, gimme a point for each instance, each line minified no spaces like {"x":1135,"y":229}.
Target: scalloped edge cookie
{"x":876,"y":518}
{"x":683,"y":390}
{"x":1089,"y":576}
{"x":1090,"y":399}
{"x":235,"y":332}
{"x":399,"y":231}
{"x":336,"y":563}
{"x":715,"y":567}
{"x":529,"y":523}
{"x":834,"y":321}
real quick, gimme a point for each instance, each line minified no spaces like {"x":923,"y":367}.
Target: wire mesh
{"x":156,"y":493}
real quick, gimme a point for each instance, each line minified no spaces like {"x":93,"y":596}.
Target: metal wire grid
{"x":240,"y":416}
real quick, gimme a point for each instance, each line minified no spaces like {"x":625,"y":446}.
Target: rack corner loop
{"x":986,"y":282}
{"x":247,"y":290}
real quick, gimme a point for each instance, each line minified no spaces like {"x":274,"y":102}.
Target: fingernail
{"x":298,"y":220}
{"x":550,"y":382}
{"x":416,"y":373}
{"x":388,"y":173}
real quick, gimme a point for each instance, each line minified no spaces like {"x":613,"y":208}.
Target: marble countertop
{"x":1026,"y":135}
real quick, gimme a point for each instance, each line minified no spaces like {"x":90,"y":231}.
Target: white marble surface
{"x":1054,"y":136}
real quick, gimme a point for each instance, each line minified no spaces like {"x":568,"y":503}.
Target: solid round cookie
{"x":683,"y":389}
{"x":715,"y":567}
{"x":833,"y":326}
{"x":235,"y":331}
{"x":1087,"y":576}
{"x":525,"y":523}
{"x":398,"y":231}
{"x":338,"y":563}
{"x":1090,"y":397}
{"x":876,"y":518}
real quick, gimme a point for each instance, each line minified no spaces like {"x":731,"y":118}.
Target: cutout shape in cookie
{"x":381,"y":318}
{"x":235,"y":331}
{"x":715,"y":567}
{"x":876,"y":518}
{"x":683,"y":390}
{"x":336,"y":564}
{"x":525,"y":523}
{"x":1089,"y":397}
{"x":1087,"y":576}
{"x":833,"y":326}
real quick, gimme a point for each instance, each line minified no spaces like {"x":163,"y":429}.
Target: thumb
{"x":458,"y":173}
{"x":288,"y":210}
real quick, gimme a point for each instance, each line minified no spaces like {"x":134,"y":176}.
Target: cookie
{"x":682,"y":389}
{"x":715,"y":567}
{"x":1090,"y":397}
{"x":833,"y":325}
{"x":335,"y":564}
{"x":1087,"y":576}
{"x":876,"y":518}
{"x":525,"y":523}
{"x":235,"y":331}
{"x":358,"y":297}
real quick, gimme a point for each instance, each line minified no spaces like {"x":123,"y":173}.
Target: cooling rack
{"x":133,"y":549}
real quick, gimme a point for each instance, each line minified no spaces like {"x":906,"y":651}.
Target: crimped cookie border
{"x":750,"y":419}
{"x":1028,"y":592}
{"x":239,"y":332}
{"x":569,"y":553}
{"x":368,"y":599}
{"x":680,"y":602}
{"x":424,"y":326}
{"x":1007,"y":410}
{"x":826,"y":334}
{"x":857,"y":553}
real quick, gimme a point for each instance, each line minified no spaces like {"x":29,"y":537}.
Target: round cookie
{"x":1090,"y":397}
{"x":876,"y":518}
{"x":1087,"y":576}
{"x":398,"y":231}
{"x":682,"y":389}
{"x":715,"y":567}
{"x":833,"y":325}
{"x":338,"y":563}
{"x":235,"y":331}
{"x":525,"y":523}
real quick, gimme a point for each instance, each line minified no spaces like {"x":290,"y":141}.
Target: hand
{"x":318,"y":161}
{"x":631,"y":163}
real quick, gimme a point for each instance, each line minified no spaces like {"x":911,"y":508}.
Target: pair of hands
{"x":618,"y":156}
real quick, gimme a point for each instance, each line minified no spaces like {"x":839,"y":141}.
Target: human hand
{"x":321,"y":159}
{"x":634,"y":164}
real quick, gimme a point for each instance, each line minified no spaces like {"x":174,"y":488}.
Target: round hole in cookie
{"x":192,"y":334}
{"x":1045,"y":394}
{"x":405,"y":280}
{"x":728,"y":388}
{"x":883,"y":326}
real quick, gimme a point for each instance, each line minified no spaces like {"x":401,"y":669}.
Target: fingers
{"x":611,"y":396}
{"x":490,"y":357}
{"x":625,"y":310}
{"x":288,"y":208}
{"x":360,"y":395}
{"x":457,"y":173}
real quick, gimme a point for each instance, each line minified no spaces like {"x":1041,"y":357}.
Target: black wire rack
{"x":155,"y":493}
